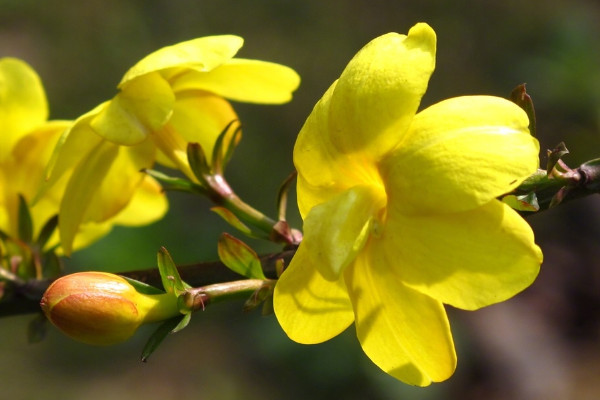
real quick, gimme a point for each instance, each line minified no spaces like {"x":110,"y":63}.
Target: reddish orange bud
{"x":101,"y":308}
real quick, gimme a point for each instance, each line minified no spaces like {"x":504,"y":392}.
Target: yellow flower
{"x":101,"y":308}
{"x":26,"y":144}
{"x":400,"y":211}
{"x":170,"y":98}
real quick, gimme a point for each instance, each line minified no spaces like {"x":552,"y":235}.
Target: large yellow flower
{"x":400,"y":211}
{"x":170,"y":98}
{"x":26,"y":143}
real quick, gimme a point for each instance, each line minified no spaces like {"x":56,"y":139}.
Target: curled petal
{"x":404,"y":332}
{"x":459,"y":154}
{"x":202,"y":54}
{"x":309,"y":308}
{"x":468,"y":260}
{"x":250,"y":81}
{"x":144,"y":105}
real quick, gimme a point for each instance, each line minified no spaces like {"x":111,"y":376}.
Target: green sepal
{"x":175,"y":184}
{"x":25,"y":223}
{"x":160,"y":334}
{"x":47,"y":231}
{"x":555,"y":155}
{"x":282,"y":195}
{"x":220,"y":156}
{"x":142,"y":287}
{"x":198,"y":163}
{"x":239,"y":257}
{"x":183,"y":322}
{"x":234,"y":221}
{"x":520,"y":97}
{"x":169,"y":275}
{"x":258,"y":297}
{"x":37,"y":329}
{"x":526,"y":202}
{"x":52,"y":266}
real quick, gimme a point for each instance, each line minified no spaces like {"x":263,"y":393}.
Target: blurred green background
{"x":543,"y":344}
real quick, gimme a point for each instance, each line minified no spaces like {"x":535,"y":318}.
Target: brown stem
{"x":26,"y":297}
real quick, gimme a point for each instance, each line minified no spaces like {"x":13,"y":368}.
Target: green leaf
{"x":47,"y":231}
{"x":282,"y":195}
{"x":160,"y":334}
{"x":37,"y":329}
{"x":555,"y":155}
{"x":52,"y":266}
{"x":175,"y":184}
{"x":142,"y":287}
{"x":220,"y":156}
{"x":526,"y":202}
{"x":234,"y":221}
{"x":182,"y":323}
{"x":240,"y":258}
{"x":168,"y":273}
{"x":198,"y":162}
{"x":258,"y":297}
{"x":25,"y":222}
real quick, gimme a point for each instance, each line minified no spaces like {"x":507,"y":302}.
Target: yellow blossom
{"x":401,"y":213}
{"x":170,"y":98}
{"x":101,"y":308}
{"x":26,"y":144}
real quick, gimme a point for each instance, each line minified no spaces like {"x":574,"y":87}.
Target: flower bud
{"x":101,"y":308}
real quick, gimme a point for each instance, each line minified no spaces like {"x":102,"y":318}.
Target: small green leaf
{"x":240,"y":258}
{"x":25,"y":222}
{"x":234,"y":221}
{"x":220,"y":156}
{"x":47,"y":231}
{"x":282,"y":195}
{"x":175,"y":184}
{"x":37,"y":329}
{"x":198,"y":163}
{"x":526,"y":202}
{"x":159,"y":335}
{"x":258,"y":297}
{"x":52,"y":266}
{"x":142,"y":287}
{"x":168,"y":273}
{"x":555,"y":155}
{"x":182,"y":323}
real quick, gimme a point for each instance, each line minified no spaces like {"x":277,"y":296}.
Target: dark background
{"x":543,"y":344}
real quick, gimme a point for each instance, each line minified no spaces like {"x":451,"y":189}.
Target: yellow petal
{"x":202,"y":54}
{"x":22,"y":102}
{"x":147,"y":205}
{"x":335,"y":231}
{"x":250,"y":81}
{"x":469,"y":260}
{"x":379,"y":92}
{"x":25,"y":173}
{"x":118,"y":185}
{"x":461,"y":153}
{"x":144,"y":105}
{"x":80,"y":191}
{"x":73,"y":145}
{"x":323,"y":170}
{"x":405,"y":333}
{"x":309,"y":308}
